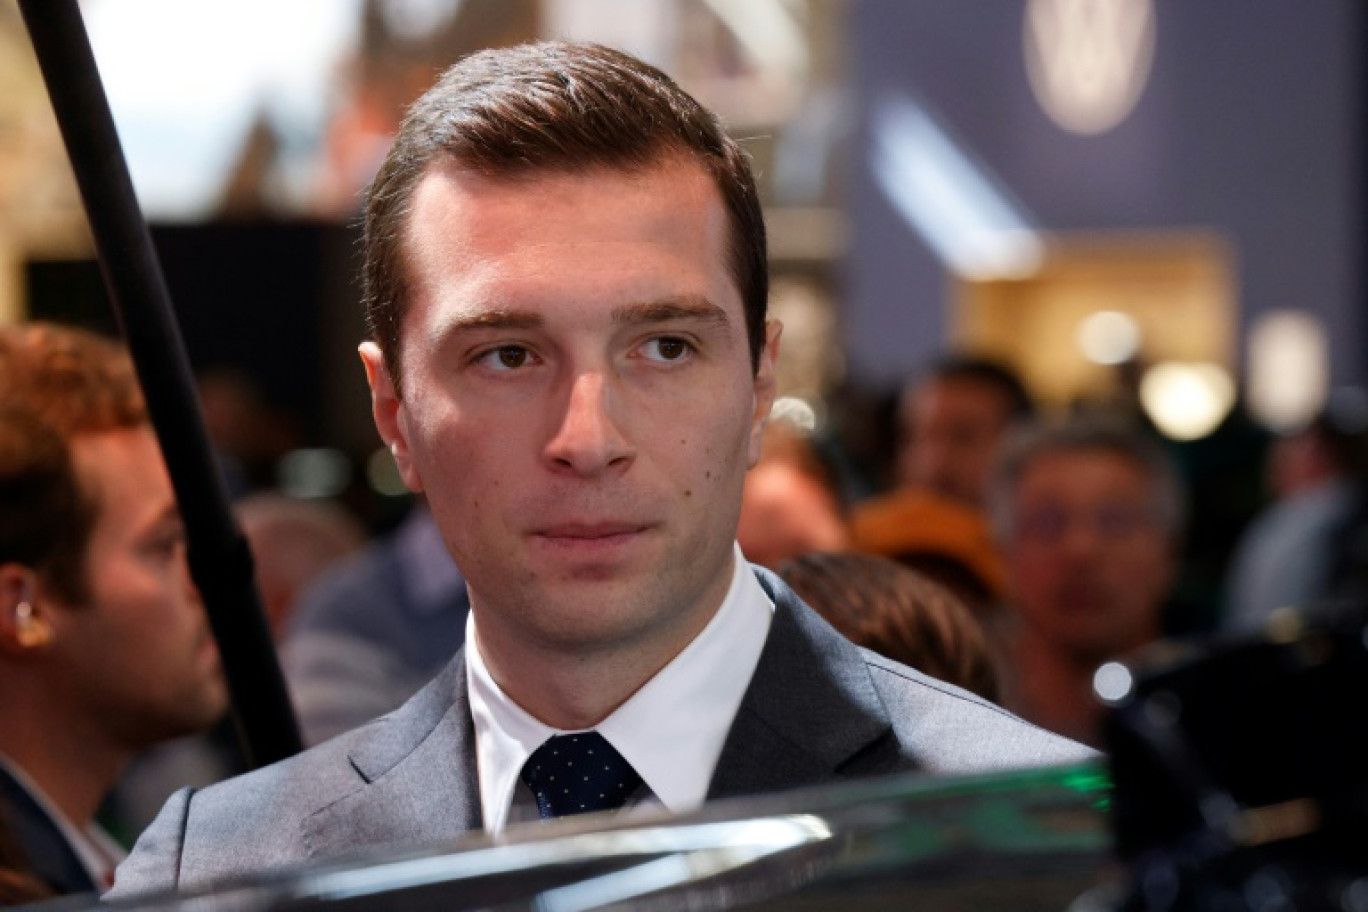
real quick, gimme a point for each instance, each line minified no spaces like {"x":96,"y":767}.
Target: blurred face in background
{"x":1089,"y":561}
{"x":953,"y":429}
{"x":785,"y":512}
{"x":137,"y":661}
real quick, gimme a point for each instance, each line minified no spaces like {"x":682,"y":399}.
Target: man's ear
{"x":24,"y":625}
{"x":389,"y":413}
{"x":764,"y":388}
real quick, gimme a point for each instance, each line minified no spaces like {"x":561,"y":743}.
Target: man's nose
{"x":587,"y":439}
{"x":1081,"y":539}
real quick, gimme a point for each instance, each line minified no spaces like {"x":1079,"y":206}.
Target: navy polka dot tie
{"x":576,"y":774}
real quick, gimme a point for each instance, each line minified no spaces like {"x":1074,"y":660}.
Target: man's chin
{"x":588,"y":615}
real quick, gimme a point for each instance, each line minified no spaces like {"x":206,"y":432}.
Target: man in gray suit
{"x":566,"y":283}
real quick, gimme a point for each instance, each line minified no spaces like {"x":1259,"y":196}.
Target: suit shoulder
{"x":249,"y":823}
{"x":953,"y":730}
{"x":318,"y":768}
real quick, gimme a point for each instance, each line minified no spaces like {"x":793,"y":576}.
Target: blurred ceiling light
{"x":952,"y":203}
{"x":649,"y":29}
{"x":1109,"y":337}
{"x":1089,"y":60}
{"x":768,"y":29}
{"x":416,"y":19}
{"x":1289,"y":374}
{"x":1187,"y":400}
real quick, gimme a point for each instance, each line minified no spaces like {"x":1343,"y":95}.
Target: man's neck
{"x":575,"y":691}
{"x":576,"y":687}
{"x":73,"y":767}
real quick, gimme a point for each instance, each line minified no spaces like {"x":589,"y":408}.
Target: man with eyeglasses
{"x":1088,"y":515}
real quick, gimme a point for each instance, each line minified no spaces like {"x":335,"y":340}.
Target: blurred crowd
{"x":1012,"y":553}
{"x":1011,"y":547}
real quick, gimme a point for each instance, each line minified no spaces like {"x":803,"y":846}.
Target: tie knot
{"x":579,"y":773}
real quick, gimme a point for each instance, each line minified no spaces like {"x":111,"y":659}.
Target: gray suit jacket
{"x":818,"y":709}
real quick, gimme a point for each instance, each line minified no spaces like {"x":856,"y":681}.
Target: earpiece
{"x":30,"y":630}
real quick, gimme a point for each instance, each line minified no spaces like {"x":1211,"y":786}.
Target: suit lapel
{"x":47,"y":851}
{"x":810,"y":712}
{"x":419,"y":771}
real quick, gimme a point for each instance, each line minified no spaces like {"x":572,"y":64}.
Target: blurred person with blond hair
{"x":1089,"y":514}
{"x":105,"y":649}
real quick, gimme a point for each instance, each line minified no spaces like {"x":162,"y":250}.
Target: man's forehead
{"x":447,"y":184}
{"x":104,"y":459}
{"x":459,"y":218}
{"x":1075,"y":467}
{"x":964,"y":389}
{"x":91,"y":443}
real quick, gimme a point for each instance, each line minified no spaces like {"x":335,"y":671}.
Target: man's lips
{"x":1082,"y":598}
{"x":584,"y":544}
{"x":590,"y":531}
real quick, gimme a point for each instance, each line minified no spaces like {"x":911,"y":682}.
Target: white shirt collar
{"x":97,"y":851}
{"x":671,"y":730}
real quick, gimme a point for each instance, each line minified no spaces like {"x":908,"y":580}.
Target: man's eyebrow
{"x":495,"y":319}
{"x":692,"y":308}
{"x":167,"y":516}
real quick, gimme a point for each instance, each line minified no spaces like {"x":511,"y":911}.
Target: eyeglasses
{"x":1110,"y":522}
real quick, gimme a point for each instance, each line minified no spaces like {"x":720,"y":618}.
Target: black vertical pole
{"x":219,"y":559}
{"x":1359,"y":160}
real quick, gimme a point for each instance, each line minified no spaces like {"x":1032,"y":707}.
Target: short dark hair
{"x":56,"y":383}
{"x":553,"y":107}
{"x":988,"y":372}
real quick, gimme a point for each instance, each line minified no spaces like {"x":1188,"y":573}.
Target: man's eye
{"x":168,"y":544}
{"x":506,"y":357}
{"x":667,"y":348}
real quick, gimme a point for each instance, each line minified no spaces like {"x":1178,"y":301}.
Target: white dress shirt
{"x":671,"y":730}
{"x":97,"y":851}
